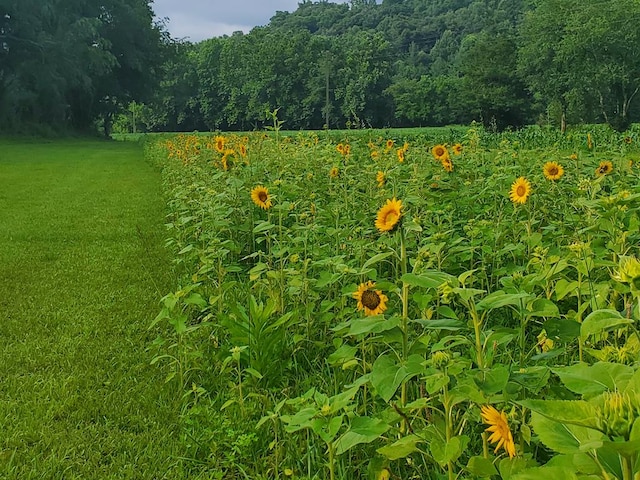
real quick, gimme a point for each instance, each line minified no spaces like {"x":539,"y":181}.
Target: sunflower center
{"x":391,"y":218}
{"x":521,"y":190}
{"x":439,"y":151}
{"x":553,"y":170}
{"x":262,"y":196}
{"x":370,"y":299}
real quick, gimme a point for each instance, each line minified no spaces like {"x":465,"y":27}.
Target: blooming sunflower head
{"x":447,"y":164}
{"x":334,"y":172}
{"x":260,"y":196}
{"x":380,"y":178}
{"x":220,"y":144}
{"x":400,"y":154}
{"x":340,"y":148}
{"x":499,"y":428}
{"x":389,"y":144}
{"x":605,"y":168}
{"x":372,"y":301}
{"x":552,"y":170}
{"x":520,"y":190}
{"x":457,"y":149}
{"x":389,"y":215}
{"x":440,"y":152}
{"x":242,"y":148}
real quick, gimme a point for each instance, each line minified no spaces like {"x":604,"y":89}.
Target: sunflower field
{"x":421,"y":304}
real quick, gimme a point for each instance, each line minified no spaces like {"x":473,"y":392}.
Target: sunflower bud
{"x":618,"y":413}
{"x":629,"y":272}
{"x":440,"y":359}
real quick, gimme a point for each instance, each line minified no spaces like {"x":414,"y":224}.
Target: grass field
{"x":81,"y":270}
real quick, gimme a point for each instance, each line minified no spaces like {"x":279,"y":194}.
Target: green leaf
{"x":537,"y":473}
{"x":343,"y":354}
{"x":428,"y":279}
{"x":481,"y":467}
{"x":387,"y":374}
{"x":493,"y":380}
{"x":361,"y":430}
{"x":509,"y":467}
{"x":499,"y":299}
{"x":444,"y":324}
{"x":560,"y":437}
{"x":564,"y":287}
{"x":544,"y":308}
{"x":373,"y":324}
{"x":562,"y":329}
{"x":590,"y":380}
{"x":373,"y":260}
{"x":401,"y":448}
{"x":444,"y":453}
{"x":574,"y":412}
{"x":602,"y":321}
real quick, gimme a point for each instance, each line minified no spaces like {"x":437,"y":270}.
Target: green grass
{"x":81,"y":270}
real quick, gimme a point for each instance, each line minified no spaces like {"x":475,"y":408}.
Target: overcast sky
{"x":196,"y":20}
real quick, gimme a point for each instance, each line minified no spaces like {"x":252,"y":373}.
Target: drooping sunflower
{"x":605,"y":168}
{"x":499,"y":428}
{"x":457,"y":149}
{"x":440,"y":152}
{"x":372,"y":301}
{"x":260,"y":196}
{"x":347,"y":149}
{"x":220,"y":144}
{"x":389,"y":215}
{"x":242,"y":148}
{"x":334,"y":172}
{"x":520,"y":190}
{"x":400,"y":154}
{"x":381,"y":178}
{"x":552,"y":170}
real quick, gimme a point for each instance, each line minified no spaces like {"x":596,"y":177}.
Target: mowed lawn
{"x":82,"y":268}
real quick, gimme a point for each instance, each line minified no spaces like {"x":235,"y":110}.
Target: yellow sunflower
{"x":242,"y":148}
{"x":552,"y":170}
{"x":605,"y":168}
{"x":520,"y":190}
{"x":372,"y":301}
{"x":340,"y":148}
{"x":589,"y":141}
{"x":400,"y":154}
{"x":334,"y":172}
{"x":440,"y":152}
{"x":220,"y":143}
{"x":389,"y":145}
{"x":447,"y":164}
{"x":457,"y":149}
{"x":499,"y":428}
{"x":260,"y":196}
{"x":628,"y":140}
{"x":389,"y":215}
{"x":347,"y":149}
{"x":380,"y":178}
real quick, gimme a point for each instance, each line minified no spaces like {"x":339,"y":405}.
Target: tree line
{"x":505,"y":63}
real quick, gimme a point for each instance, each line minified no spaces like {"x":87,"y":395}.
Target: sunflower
{"x":389,"y":215}
{"x":520,"y":190}
{"x":589,"y":141}
{"x":457,"y":149}
{"x":552,"y":170}
{"x":605,"y":168}
{"x":340,"y":148}
{"x":440,"y":152}
{"x":389,"y":145}
{"x":372,"y":301}
{"x":499,"y":428}
{"x":628,"y":140}
{"x":347,"y":149}
{"x":447,"y":164}
{"x":242,"y":148}
{"x":400,"y":154}
{"x":260,"y":196}
{"x":333,"y":173}
{"x":381,"y":178}
{"x":220,"y":142}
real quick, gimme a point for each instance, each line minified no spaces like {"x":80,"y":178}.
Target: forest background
{"x":112,"y":65}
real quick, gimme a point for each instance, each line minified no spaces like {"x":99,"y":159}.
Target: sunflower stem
{"x":405,"y":310}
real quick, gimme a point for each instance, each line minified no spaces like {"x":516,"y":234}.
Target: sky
{"x":196,"y":20}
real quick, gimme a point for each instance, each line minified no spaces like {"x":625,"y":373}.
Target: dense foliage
{"x":65,"y":64}
{"x":411,"y":63}
{"x":365,"y":304}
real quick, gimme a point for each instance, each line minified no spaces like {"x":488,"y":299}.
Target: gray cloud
{"x":200,"y":19}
